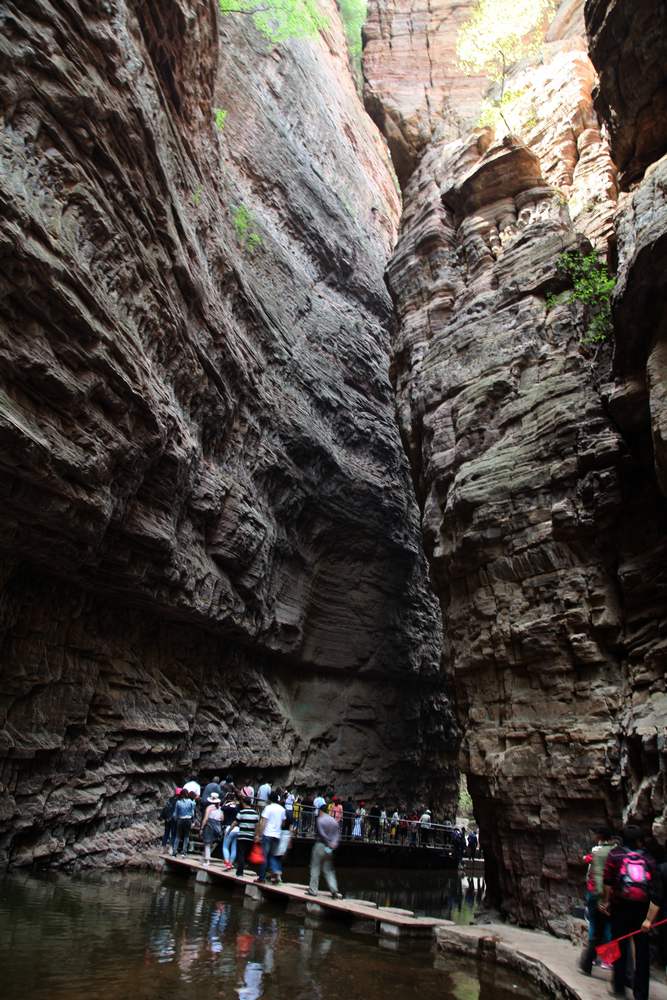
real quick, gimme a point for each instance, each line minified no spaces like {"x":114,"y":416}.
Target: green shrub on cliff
{"x":244,"y":224}
{"x":279,"y":20}
{"x":593,"y":286}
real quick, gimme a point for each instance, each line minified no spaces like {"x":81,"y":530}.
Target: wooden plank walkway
{"x":387,"y":921}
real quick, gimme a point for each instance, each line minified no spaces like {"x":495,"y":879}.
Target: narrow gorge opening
{"x":332,"y":419}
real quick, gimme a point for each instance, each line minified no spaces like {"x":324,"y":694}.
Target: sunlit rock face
{"x":543,"y":523}
{"x":211,"y":552}
{"x":414,"y":88}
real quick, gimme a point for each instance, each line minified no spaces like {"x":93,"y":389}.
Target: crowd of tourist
{"x":626,"y":890}
{"x":356,"y":821}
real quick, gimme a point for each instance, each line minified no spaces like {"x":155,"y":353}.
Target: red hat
{"x":177,"y":791}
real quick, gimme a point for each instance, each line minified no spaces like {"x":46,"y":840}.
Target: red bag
{"x":256,"y":856}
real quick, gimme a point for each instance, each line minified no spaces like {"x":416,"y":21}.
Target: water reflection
{"x":147,"y":937}
{"x":426,"y":893}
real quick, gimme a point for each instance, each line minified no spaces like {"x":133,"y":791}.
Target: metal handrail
{"x":407,"y":833}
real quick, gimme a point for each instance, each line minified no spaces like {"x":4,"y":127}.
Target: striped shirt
{"x":247,"y":820}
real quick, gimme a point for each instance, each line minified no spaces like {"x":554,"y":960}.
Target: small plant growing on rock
{"x":197,"y":196}
{"x":593,"y":286}
{"x":220,"y":117}
{"x":248,"y":237}
{"x":494,"y":111}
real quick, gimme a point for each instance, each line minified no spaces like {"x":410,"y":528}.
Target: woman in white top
{"x":212,"y":825}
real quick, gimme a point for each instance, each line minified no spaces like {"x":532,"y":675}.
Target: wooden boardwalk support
{"x":389,"y":923}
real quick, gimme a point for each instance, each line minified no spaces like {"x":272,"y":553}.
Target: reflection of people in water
{"x":217,"y":926}
{"x":259,"y":949}
{"x":252,"y":982}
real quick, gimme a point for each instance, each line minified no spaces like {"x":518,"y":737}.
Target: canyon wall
{"x":211,"y":555}
{"x":542,"y":518}
{"x":628,"y":44}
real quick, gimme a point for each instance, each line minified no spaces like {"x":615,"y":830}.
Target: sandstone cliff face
{"x":628,"y":44}
{"x":543,"y":524}
{"x":414,"y":88}
{"x":518,"y":470}
{"x":211,"y":554}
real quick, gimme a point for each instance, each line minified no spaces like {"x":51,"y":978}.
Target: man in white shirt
{"x":268,"y":832}
{"x":263,"y":793}
{"x":318,"y":802}
{"x":425,"y":827}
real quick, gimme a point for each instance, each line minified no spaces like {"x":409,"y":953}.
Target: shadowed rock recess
{"x":544,"y":519}
{"x":211,"y":553}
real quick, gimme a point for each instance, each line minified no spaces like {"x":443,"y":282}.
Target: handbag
{"x":256,"y":856}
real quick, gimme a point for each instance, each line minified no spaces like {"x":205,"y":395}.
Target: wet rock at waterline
{"x":211,"y":551}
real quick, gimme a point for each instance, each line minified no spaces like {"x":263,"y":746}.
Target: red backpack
{"x":634,"y":877}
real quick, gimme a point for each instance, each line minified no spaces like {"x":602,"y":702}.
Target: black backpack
{"x":167,"y":811}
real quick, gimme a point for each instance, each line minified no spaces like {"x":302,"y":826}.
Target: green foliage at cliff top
{"x":353,"y":15}
{"x":279,"y":20}
{"x":500,"y":32}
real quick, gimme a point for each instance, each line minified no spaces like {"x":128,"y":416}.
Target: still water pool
{"x":145,"y":936}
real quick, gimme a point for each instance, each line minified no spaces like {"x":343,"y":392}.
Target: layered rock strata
{"x":211,"y":552}
{"x":414,"y":88}
{"x":543,"y":524}
{"x":518,"y":470}
{"x":629,"y":47}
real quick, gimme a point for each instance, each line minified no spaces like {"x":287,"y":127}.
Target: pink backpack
{"x":634,"y":878}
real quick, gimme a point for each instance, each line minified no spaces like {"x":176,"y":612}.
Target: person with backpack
{"x":598,"y":922}
{"x":632,"y":897}
{"x":212,"y":787}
